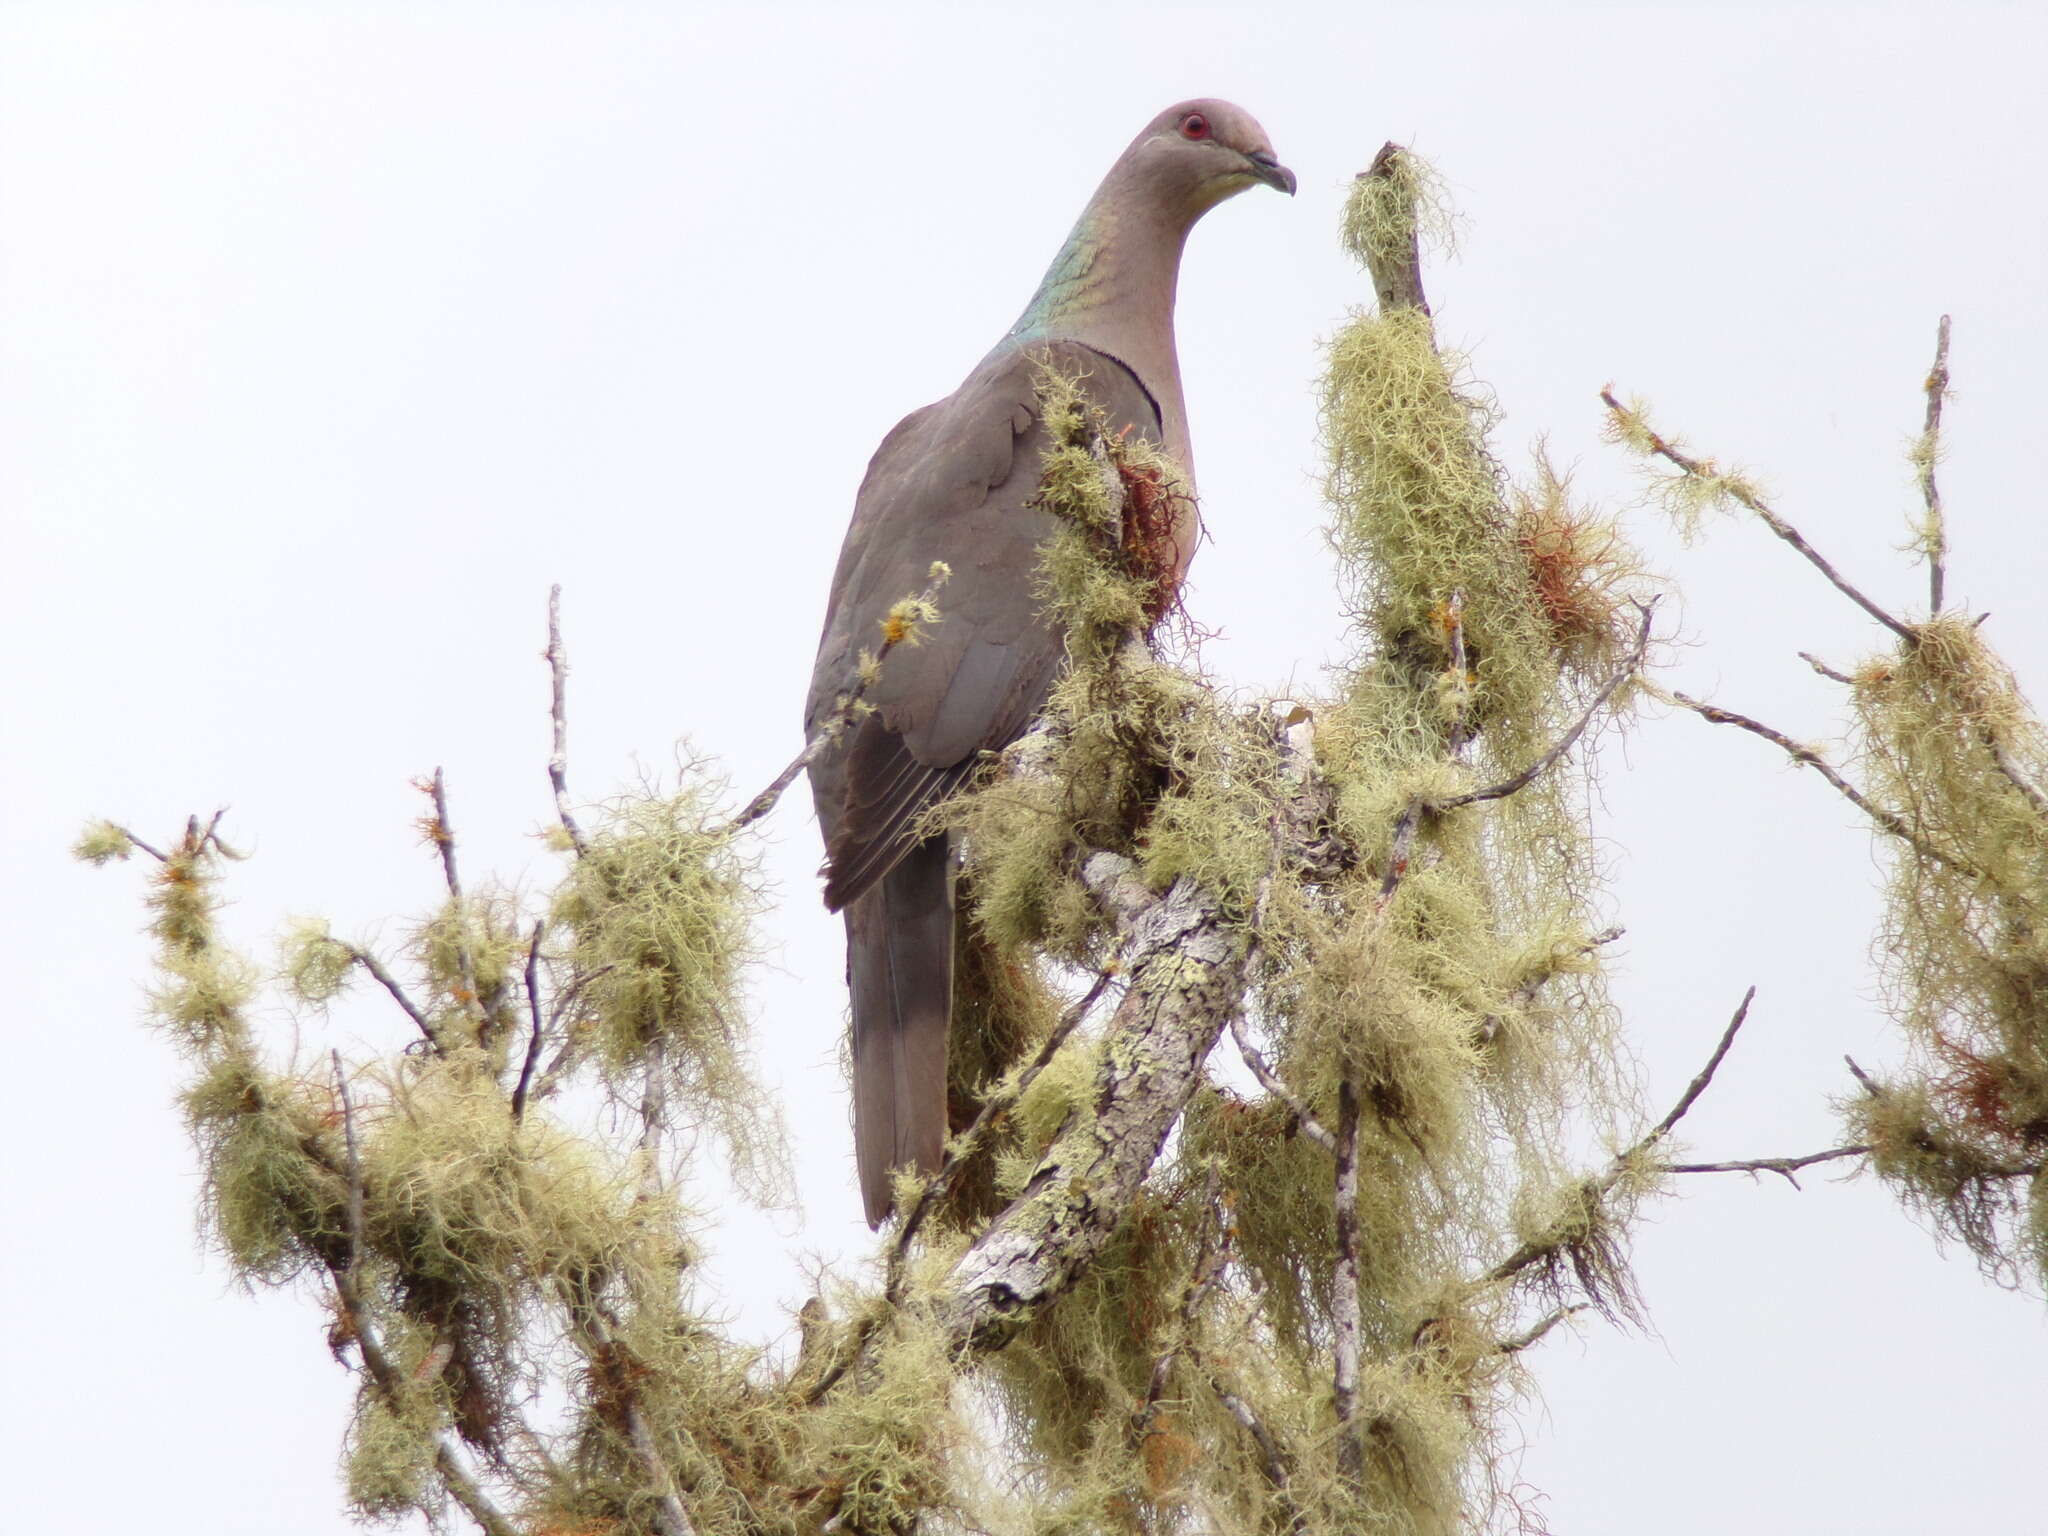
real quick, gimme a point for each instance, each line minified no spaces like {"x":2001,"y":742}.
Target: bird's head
{"x":1206,"y":150}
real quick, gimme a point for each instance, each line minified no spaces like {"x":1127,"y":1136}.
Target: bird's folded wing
{"x":956,"y":482}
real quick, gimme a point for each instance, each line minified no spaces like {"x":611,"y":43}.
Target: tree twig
{"x":1703,"y":1079}
{"x":1598,"y":1186}
{"x":1269,"y":1080}
{"x":1347,"y":1322}
{"x":153,"y":852}
{"x":844,"y":709}
{"x":533,"y":1008}
{"x":1715,"y":715}
{"x":389,"y":983}
{"x":1824,"y":669}
{"x":558,"y":712}
{"x":1631,"y":664}
{"x":1697,"y":470}
{"x":1926,"y":453}
{"x":1784,"y":1167}
{"x":443,"y":837}
{"x":2019,"y":781}
{"x":1516,"y":1343}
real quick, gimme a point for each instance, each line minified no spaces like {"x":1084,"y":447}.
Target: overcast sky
{"x":330,"y":336}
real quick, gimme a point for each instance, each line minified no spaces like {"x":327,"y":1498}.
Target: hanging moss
{"x":659,"y":912}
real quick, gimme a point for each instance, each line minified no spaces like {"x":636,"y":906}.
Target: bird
{"x":956,"y":483}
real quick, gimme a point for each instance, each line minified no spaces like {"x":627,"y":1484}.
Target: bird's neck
{"x":1111,"y":287}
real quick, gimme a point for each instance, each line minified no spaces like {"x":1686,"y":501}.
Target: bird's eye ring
{"x":1194,"y":126}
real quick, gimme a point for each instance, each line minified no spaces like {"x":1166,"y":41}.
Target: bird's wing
{"x":955,"y":482}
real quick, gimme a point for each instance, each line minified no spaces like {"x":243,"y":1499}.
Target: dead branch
{"x":1598,"y":1187}
{"x":1347,"y":1322}
{"x":1697,"y":470}
{"x":389,"y":983}
{"x":558,"y":712}
{"x":1715,"y":715}
{"x":1269,"y":1080}
{"x":1516,"y":1343}
{"x":533,"y":1008}
{"x":1784,"y":1167}
{"x":1926,"y":453}
{"x":1397,"y":269}
{"x":442,"y":835}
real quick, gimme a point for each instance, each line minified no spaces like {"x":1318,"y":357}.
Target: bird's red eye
{"x":1195,"y":126}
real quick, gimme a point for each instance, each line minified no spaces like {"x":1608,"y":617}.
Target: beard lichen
{"x":1949,"y":746}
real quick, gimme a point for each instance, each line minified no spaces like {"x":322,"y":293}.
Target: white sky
{"x":329,"y":337}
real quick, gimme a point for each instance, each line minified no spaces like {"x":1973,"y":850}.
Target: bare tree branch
{"x":844,"y":711}
{"x":1703,"y":1080}
{"x":442,"y":835}
{"x":1631,"y":664}
{"x":1715,"y":715}
{"x":1785,"y":1167}
{"x":1269,"y":1080}
{"x":1598,"y":1186}
{"x":1824,"y":669}
{"x":1748,"y":498}
{"x":389,"y":983}
{"x":1926,"y":453}
{"x":1347,"y":1322}
{"x":1516,"y":1343}
{"x":533,"y":1008}
{"x":558,"y":711}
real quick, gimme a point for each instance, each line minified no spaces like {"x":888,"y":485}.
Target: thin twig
{"x":1925,"y":454}
{"x":1597,"y":1187}
{"x":389,"y":983}
{"x":961,"y":1147}
{"x":154,"y":853}
{"x":1870,"y":1086}
{"x":844,"y":709}
{"x":1347,"y":1323}
{"x":1631,"y":664}
{"x":1269,"y":1449}
{"x":558,"y":711}
{"x":1825,"y":670}
{"x":1516,"y":1343}
{"x":1715,"y":715}
{"x":1269,"y":1080}
{"x":2011,"y":770}
{"x":1748,"y":498}
{"x":443,"y":835}
{"x":1705,"y":1077}
{"x":533,"y":1008}
{"x":1401,"y":850}
{"x":1210,"y":1259}
{"x":1459,"y":734}
{"x":462,"y":1487}
{"x":1784,"y":1167}
{"x":1526,"y":992}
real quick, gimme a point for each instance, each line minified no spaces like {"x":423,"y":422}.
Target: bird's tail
{"x":899,"y":965}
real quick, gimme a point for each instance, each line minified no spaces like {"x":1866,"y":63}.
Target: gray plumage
{"x":955,"y":482}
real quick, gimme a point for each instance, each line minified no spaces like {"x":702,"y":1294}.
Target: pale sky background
{"x":330,"y":336}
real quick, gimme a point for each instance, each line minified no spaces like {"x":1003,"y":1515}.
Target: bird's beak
{"x":1271,"y":172}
